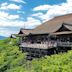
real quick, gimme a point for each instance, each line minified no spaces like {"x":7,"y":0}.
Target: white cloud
{"x":6,"y":6}
{"x":31,"y":22}
{"x":8,"y":20}
{"x":69,"y":1}
{"x":42,"y":7}
{"x":13,"y":16}
{"x":37,"y":14}
{"x":19,"y":1}
{"x":11,"y":23}
{"x":4,"y":32}
{"x":8,"y":23}
{"x":5,"y":16}
{"x":13,"y":6}
{"x":53,"y":10}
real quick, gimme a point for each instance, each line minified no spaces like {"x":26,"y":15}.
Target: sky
{"x":16,"y":14}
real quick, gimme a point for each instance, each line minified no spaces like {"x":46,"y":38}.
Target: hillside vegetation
{"x":13,"y":60}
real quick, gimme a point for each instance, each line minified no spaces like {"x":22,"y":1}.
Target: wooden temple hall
{"x":48,"y":38}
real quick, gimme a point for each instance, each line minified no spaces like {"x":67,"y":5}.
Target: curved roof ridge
{"x":63,"y":15}
{"x":67,"y":24}
{"x":56,"y":19}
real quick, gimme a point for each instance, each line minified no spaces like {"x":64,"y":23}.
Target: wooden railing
{"x":42,"y":46}
{"x":47,"y":45}
{"x":64,"y":44}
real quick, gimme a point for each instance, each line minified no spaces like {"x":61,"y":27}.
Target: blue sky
{"x":16,"y":14}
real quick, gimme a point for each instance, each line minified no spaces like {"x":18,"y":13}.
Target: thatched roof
{"x":25,"y":31}
{"x":61,"y":33}
{"x":54,"y":24}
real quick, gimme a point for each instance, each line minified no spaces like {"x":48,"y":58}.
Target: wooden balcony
{"x":47,"y":45}
{"x":41,"y":46}
{"x":64,"y":44}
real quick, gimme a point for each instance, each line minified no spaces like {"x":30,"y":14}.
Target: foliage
{"x":10,"y":56}
{"x":13,"y":60}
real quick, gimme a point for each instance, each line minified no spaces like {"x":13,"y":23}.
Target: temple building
{"x":13,"y":36}
{"x":48,"y":38}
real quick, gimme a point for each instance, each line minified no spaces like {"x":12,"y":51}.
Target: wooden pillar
{"x":20,"y":39}
{"x":54,"y":51}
